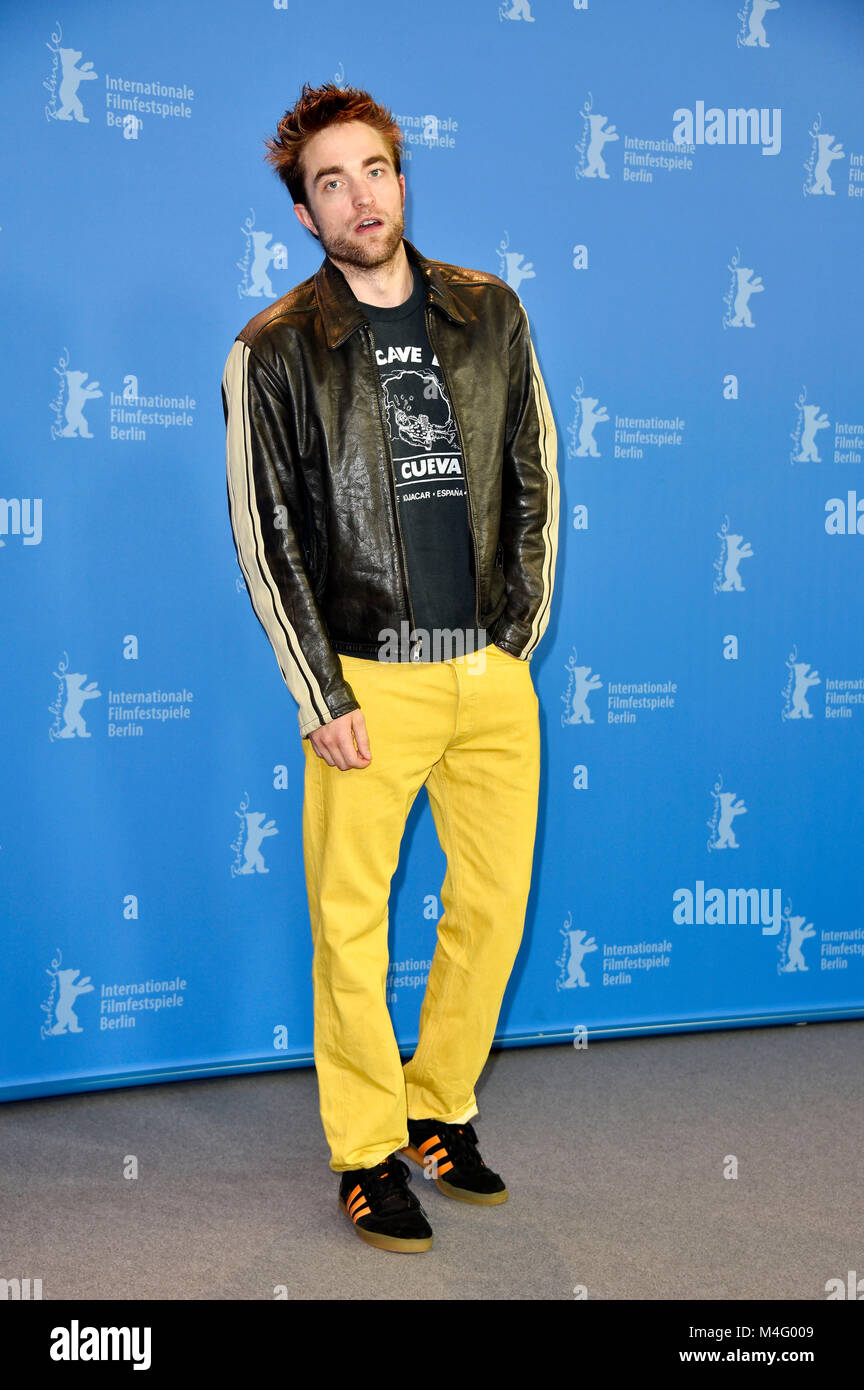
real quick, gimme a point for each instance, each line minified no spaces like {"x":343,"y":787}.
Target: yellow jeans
{"x":468,"y":729}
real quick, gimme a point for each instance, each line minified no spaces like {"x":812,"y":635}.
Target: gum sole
{"x":477,"y":1199}
{"x":382,"y":1242}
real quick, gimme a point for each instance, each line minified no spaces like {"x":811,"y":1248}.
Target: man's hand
{"x":334,"y":742}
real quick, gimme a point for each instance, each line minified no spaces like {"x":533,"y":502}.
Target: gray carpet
{"x":614,"y":1157}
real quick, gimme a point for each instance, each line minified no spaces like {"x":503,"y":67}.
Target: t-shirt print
{"x":423,"y":432}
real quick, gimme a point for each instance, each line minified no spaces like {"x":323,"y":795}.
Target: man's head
{"x":338,"y":153}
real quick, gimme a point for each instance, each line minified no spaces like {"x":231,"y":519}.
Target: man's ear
{"x":302,"y":213}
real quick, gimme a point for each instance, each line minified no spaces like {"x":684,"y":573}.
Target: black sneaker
{"x":451,"y":1150}
{"x":384,"y":1210}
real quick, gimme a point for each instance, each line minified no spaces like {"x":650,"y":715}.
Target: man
{"x":392,"y":491}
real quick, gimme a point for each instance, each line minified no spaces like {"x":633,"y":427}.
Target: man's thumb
{"x":361,"y":738}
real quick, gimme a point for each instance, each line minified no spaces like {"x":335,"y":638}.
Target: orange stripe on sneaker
{"x":427,"y":1144}
{"x":352,"y":1195}
{"x":358,"y":1212}
{"x":357,"y":1201}
{"x":444,"y":1168}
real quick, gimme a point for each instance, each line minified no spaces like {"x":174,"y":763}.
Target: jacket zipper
{"x":368,"y":331}
{"x":471,"y":526}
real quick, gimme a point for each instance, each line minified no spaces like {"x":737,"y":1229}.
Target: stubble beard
{"x":355,"y":253}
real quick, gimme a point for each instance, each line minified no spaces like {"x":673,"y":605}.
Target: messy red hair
{"x":315,"y":109}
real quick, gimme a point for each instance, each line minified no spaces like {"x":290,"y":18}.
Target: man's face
{"x":349,"y":179}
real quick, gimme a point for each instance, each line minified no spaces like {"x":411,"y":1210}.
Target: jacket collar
{"x":341,"y":313}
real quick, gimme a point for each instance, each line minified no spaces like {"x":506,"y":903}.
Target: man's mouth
{"x":369,"y":224}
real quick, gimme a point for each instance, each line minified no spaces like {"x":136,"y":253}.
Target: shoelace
{"x":460,"y":1141}
{"x":391,"y":1181}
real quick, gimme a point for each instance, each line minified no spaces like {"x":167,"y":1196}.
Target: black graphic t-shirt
{"x":428,"y":473}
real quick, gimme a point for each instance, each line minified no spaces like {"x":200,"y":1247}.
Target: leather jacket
{"x":311,"y":492}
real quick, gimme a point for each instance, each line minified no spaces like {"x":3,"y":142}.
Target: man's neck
{"x":385,"y":285}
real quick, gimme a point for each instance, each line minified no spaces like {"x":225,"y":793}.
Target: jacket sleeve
{"x":266,"y":503}
{"x":529,"y":500}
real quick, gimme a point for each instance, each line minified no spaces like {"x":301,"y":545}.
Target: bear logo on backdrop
{"x":589,"y":413}
{"x":66,"y":988}
{"x":810,"y":420}
{"x":128,"y":713}
{"x":130,"y":413}
{"x":642,"y":157}
{"x":74,"y":394}
{"x":843,"y":444}
{"x":577,"y":945}
{"x":125,"y":98}
{"x":621,"y":963}
{"x":632,"y":434}
{"x":843,"y":695}
{"x":516,"y":9}
{"x":795,"y":931}
{"x":258,"y":257}
{"x":751,"y":29}
{"x":512,"y":264}
{"x":73,"y":693}
{"x":799,"y":681}
{"x":66,"y":75}
{"x":596,"y":135}
{"x":744,"y":284}
{"x":727,"y":807}
{"x":121,"y":1005}
{"x":823,"y":152}
{"x":624,"y":698}
{"x":254,"y":829}
{"x":521,"y":9}
{"x":846,"y":445}
{"x":580,"y":684}
{"x":733,"y":549}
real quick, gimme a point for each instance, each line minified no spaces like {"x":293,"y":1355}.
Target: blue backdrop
{"x":677,"y":194}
